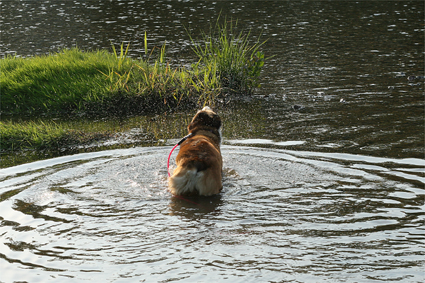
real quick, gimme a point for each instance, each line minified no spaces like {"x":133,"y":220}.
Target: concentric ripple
{"x":283,"y":216}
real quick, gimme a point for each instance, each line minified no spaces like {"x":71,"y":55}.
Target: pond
{"x":323,"y":167}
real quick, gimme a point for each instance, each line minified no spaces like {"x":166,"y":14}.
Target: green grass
{"x":41,"y":135}
{"x":53,"y":83}
{"x":74,"y":80}
{"x":228,"y":59}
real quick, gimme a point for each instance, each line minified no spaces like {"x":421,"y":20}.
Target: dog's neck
{"x":212,"y":133}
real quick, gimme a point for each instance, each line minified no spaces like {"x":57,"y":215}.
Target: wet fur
{"x":199,"y":162}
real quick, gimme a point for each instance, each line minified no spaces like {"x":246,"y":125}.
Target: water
{"x":283,"y":216}
{"x":324,"y":167}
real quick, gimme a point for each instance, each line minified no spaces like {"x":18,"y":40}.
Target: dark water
{"x":324,"y":167}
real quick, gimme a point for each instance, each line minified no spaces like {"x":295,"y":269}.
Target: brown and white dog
{"x":199,"y":161}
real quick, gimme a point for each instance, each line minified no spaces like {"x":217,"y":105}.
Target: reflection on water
{"x":282,"y":216}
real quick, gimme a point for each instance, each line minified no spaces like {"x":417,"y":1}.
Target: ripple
{"x":283,"y":214}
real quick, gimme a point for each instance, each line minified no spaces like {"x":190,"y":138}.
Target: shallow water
{"x":283,"y":216}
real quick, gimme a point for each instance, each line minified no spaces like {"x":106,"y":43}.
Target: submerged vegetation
{"x":44,"y":135}
{"x":101,"y":83}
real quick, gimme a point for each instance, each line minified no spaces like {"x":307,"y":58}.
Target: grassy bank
{"x":111,"y":83}
{"x":74,"y":81}
{"x":102,"y":83}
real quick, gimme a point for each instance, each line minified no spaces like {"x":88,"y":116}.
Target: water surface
{"x":324,"y":165}
{"x":284,"y":216}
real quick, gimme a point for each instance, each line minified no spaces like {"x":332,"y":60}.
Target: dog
{"x":199,"y":161}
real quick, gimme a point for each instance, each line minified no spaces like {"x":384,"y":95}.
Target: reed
{"x":227,"y":58}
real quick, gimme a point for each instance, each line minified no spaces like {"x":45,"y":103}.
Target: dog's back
{"x":198,"y":171}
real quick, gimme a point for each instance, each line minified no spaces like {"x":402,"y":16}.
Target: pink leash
{"x":168,"y":166}
{"x":169,"y":156}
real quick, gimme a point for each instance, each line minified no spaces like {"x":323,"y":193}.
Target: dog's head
{"x":206,"y":120}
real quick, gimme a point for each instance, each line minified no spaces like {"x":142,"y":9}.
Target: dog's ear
{"x":205,"y":119}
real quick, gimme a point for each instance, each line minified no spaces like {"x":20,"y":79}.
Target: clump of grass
{"x":149,"y":77}
{"x":227,"y":59}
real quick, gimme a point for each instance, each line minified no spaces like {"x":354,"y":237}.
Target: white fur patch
{"x":186,"y":183}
